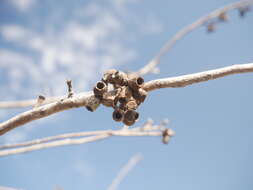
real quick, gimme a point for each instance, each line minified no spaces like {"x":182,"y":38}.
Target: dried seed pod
{"x":122,"y":106}
{"x":135,"y":82}
{"x":223,"y":17}
{"x":119,"y":79}
{"x":131,"y":105}
{"x":140,"y":95}
{"x":130,"y":117}
{"x":124,"y":95}
{"x":109,"y":98}
{"x":118,"y":115}
{"x":100,"y":89}
{"x":108,"y":75}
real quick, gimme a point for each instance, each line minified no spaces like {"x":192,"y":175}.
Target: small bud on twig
{"x":167,"y":133}
{"x":243,"y":11}
{"x":211,"y":27}
{"x":223,"y":17}
{"x":70,"y":90}
{"x":40,"y":100}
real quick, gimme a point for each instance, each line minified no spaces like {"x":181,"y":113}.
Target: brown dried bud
{"x":167,"y":133}
{"x":140,"y":95}
{"x":243,"y":11}
{"x":223,"y":17}
{"x":41,"y":98}
{"x":135,"y":82}
{"x":130,"y":117}
{"x":118,"y":115}
{"x":100,"y":89}
{"x":211,"y":27}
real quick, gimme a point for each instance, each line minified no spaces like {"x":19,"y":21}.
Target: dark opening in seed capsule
{"x":100,"y":89}
{"x":140,"y":81}
{"x":100,"y":85}
{"x":117,"y":115}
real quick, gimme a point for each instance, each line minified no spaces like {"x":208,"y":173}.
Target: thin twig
{"x":186,"y":30}
{"x":132,"y":162}
{"x":53,"y":144}
{"x":68,"y":139}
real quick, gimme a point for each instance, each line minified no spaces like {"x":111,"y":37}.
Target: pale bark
{"x":187,"y":29}
{"x":88,"y":99}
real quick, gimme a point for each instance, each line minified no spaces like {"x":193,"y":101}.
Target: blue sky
{"x":43,"y":43}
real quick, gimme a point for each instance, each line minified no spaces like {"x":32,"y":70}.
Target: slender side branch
{"x":53,"y":144}
{"x":70,"y":139}
{"x":89,"y":100}
{"x":132,"y":162}
{"x":185,"y":80}
{"x":186,"y":30}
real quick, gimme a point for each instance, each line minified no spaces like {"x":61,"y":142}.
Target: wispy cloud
{"x":38,"y":58}
{"x":22,"y":5}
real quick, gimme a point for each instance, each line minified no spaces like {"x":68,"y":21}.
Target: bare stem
{"x":185,"y":80}
{"x":70,"y":138}
{"x":186,"y":30}
{"x":132,"y":162}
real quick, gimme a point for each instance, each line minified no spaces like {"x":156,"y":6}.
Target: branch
{"x":241,"y":5}
{"x":83,"y":99}
{"x":91,"y":102}
{"x":186,"y":30}
{"x":185,"y":80}
{"x":124,"y":171}
{"x":67,"y":139}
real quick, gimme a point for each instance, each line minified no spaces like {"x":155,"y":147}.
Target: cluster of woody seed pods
{"x":125,"y":95}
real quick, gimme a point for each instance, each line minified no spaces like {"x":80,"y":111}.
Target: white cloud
{"x":69,"y":53}
{"x":22,"y":5}
{"x":43,"y":58}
